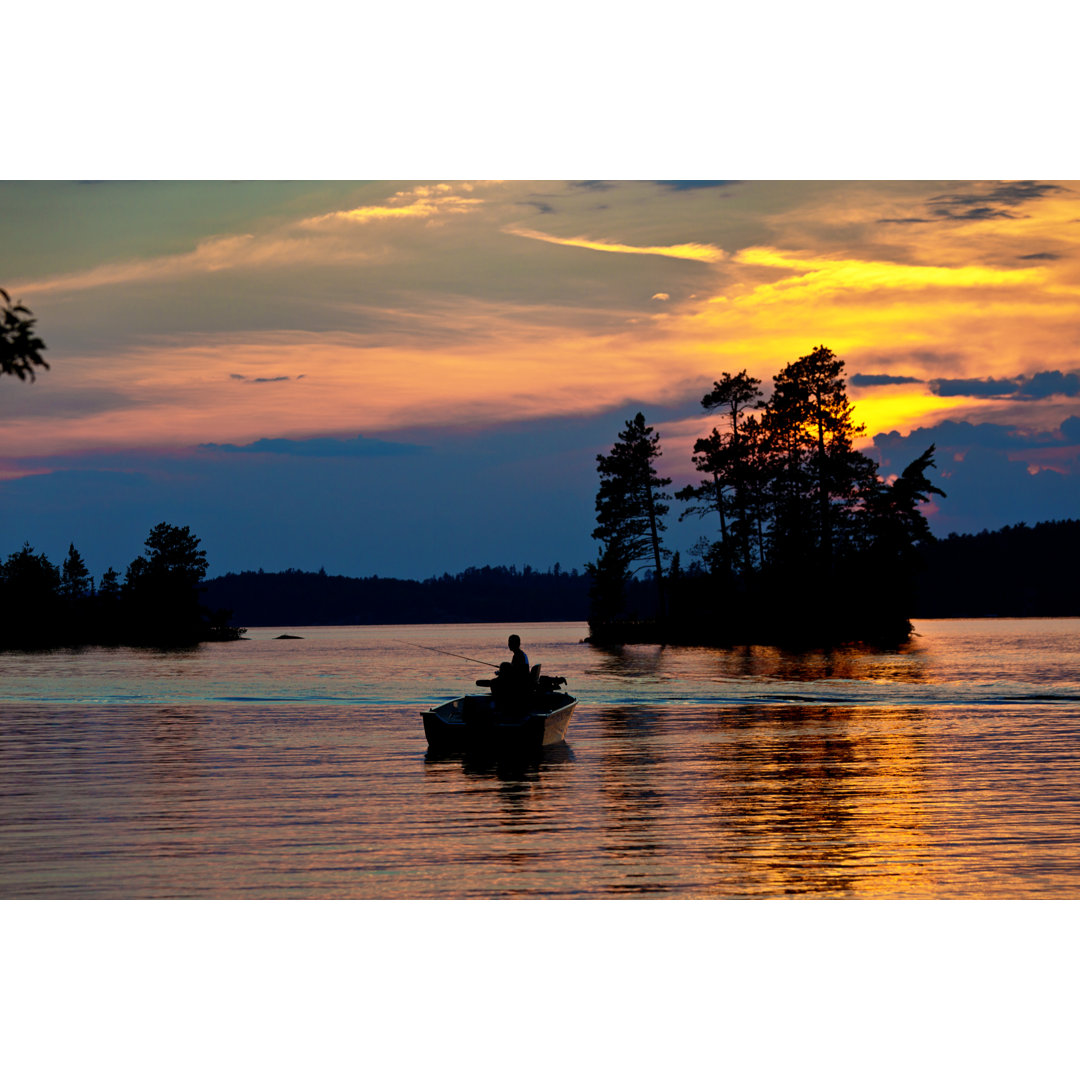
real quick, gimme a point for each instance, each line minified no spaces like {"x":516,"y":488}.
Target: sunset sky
{"x":407,"y":378}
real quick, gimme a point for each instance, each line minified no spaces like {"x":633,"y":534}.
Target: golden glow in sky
{"x":439,"y":303}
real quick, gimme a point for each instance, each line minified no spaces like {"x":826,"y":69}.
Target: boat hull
{"x":474,"y":722}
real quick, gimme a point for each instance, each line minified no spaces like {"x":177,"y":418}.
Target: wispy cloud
{"x":360,"y":446}
{"x":264,"y":378}
{"x":421,"y":202}
{"x":310,"y":241}
{"x":707,"y":253}
{"x":987,"y":201}
{"x":871,"y":274}
{"x":695,"y":185}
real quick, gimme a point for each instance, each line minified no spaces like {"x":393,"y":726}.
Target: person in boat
{"x":518,"y":667}
{"x":514,"y":681}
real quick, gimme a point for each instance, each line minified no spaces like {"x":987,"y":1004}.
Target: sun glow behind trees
{"x":813,"y":546}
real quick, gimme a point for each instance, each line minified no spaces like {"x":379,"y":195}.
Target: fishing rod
{"x":486,"y":663}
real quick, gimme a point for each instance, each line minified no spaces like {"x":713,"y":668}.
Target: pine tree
{"x":162,"y":586}
{"x":811,"y":417}
{"x":110,"y":585}
{"x":29,"y":597}
{"x":75,"y":580}
{"x":723,"y":457}
{"x":630,"y":506}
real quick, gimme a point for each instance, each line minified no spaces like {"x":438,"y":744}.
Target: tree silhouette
{"x":813,"y":544}
{"x":75,"y":580}
{"x":809,"y":408}
{"x":894,"y":522}
{"x":162,"y":586}
{"x":630,"y":507}
{"x":20,"y":348}
{"x":723,"y":457}
{"x":710,"y":457}
{"x":158,"y":603}
{"x":29,"y":586}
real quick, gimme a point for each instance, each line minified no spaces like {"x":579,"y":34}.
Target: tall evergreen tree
{"x":75,"y":598}
{"x":810,"y":412}
{"x":75,"y":580}
{"x":162,"y":586}
{"x":723,"y":457}
{"x":631,"y":504}
{"x":708,"y":496}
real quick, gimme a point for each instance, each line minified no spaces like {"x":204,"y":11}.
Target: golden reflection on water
{"x":822,"y":808}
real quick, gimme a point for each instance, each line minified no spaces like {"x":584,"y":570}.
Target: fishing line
{"x":486,"y":663}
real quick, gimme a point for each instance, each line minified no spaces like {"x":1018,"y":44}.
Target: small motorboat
{"x":525,"y":721}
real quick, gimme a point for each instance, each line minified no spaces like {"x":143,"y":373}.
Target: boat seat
{"x":534,"y":676}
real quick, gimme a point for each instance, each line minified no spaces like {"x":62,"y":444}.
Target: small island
{"x":810,"y":547}
{"x":158,"y":602}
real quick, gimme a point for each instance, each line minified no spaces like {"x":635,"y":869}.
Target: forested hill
{"x":486,"y":594}
{"x":1020,"y":570}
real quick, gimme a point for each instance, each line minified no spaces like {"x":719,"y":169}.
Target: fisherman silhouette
{"x":513,"y":684}
{"x":518,"y":667}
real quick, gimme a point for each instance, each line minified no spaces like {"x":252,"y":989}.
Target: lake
{"x":272,"y":768}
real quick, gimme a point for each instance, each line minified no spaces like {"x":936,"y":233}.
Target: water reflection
{"x":506,"y":765}
{"x":827,"y":796}
{"x":687,"y":773}
{"x":632,"y":764}
{"x":765,"y":800}
{"x":904,"y":664}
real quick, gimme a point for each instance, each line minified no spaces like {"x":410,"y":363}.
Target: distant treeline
{"x":479,"y":594}
{"x":1019,"y":570}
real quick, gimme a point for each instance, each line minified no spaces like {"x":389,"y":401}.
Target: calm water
{"x":298,"y":768}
